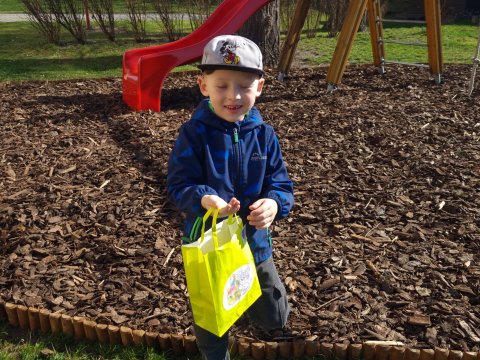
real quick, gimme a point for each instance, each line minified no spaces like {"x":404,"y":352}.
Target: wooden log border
{"x":81,"y":328}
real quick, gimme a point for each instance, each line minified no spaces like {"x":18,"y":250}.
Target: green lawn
{"x":459,"y":43}
{"x":25,"y":55}
{"x":18,"y":344}
{"x":16,"y":6}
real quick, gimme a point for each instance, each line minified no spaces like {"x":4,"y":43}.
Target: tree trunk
{"x":263,"y":28}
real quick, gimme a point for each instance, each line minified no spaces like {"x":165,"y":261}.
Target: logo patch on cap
{"x":228,"y":52}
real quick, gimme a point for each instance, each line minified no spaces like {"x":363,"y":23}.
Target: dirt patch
{"x":382,"y":243}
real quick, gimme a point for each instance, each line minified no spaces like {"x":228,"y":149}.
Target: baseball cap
{"x":232,"y":52}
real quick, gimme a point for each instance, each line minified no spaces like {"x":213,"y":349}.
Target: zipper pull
{"x":235,"y":135}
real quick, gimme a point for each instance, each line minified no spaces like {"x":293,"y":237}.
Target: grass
{"x":18,"y":344}
{"x":16,"y":6}
{"x":458,"y":40}
{"x":25,"y":55}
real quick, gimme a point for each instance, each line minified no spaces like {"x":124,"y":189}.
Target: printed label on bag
{"x":238,"y":285}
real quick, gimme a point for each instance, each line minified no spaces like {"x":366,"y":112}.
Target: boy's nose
{"x":234,"y":92}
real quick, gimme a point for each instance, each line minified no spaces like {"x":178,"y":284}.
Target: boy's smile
{"x":232,"y":93}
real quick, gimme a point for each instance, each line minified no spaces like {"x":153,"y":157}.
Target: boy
{"x":226,"y":157}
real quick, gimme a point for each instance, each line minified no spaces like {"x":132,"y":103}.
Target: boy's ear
{"x":260,"y":86}
{"x":202,"y":85}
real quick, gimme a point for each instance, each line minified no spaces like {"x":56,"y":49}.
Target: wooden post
{"x":102,"y":333}
{"x":433,"y":19}
{"x":470,"y":355}
{"x":455,"y":355}
{"x":441,"y":354}
{"x":33,"y":319}
{"x":412,"y":354}
{"x":271,"y":350}
{"x":3,"y":314}
{"x":190,"y":344}
{"x":354,"y":15}
{"x":55,"y":323}
{"x":397,"y":353}
{"x":285,"y":349}
{"x":232,"y":346}
{"x":151,"y":338}
{"x":177,"y":344}
{"x":114,"y":335}
{"x":78,"y":329}
{"x":376,"y":34}
{"x":126,"y":335}
{"x":382,"y":352}
{"x":90,"y":332}
{"x":298,"y":348}
{"x":67,"y":325}
{"x":244,"y":348}
{"x":355,"y":351}
{"x":22,"y":312}
{"x":340,"y":351}
{"x":369,"y":351}
{"x":312,"y":347}
{"x":165,"y":341}
{"x":427,"y":354}
{"x":44,"y":317}
{"x":293,"y":37}
{"x":138,"y":337}
{"x":258,"y":350}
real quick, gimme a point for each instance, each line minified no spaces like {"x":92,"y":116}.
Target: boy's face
{"x":232,"y":93}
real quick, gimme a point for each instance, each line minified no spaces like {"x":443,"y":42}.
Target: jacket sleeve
{"x":277,"y":185}
{"x":186,"y":176}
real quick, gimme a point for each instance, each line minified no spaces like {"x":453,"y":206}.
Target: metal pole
{"x":476,"y":62}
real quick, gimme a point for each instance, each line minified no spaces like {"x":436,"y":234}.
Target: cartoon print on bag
{"x":238,"y":285}
{"x":228,"y":52}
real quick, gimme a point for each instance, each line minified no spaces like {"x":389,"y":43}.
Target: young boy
{"x":226,"y":157}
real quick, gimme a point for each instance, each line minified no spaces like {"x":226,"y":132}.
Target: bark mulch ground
{"x":383,"y":242}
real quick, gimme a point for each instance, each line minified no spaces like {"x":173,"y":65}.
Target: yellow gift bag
{"x":221,"y":277}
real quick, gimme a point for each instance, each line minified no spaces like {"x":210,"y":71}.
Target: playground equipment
{"x":355,"y":12}
{"x":145,"y":69}
{"x":476,"y":61}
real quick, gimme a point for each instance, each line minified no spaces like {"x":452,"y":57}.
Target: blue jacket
{"x":212,"y":156}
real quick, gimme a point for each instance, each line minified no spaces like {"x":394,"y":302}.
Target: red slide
{"x":145,"y":69}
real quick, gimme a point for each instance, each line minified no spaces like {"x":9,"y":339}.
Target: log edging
{"x":28,"y":318}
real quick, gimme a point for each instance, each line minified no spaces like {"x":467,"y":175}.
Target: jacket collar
{"x":204,"y":114}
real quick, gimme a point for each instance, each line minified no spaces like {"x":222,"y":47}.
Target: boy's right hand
{"x":217,"y":202}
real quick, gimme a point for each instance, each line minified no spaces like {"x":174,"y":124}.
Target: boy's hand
{"x":217,"y":202}
{"x":262,"y":213}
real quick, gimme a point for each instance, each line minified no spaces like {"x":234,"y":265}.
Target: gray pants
{"x":270,"y":312}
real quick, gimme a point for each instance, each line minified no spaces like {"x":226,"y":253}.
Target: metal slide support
{"x":434,"y":38}
{"x":476,"y":62}
{"x":354,"y":16}
{"x":293,"y":37}
{"x":376,"y":34}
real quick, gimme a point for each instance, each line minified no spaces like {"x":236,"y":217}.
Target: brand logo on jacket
{"x":258,"y":157}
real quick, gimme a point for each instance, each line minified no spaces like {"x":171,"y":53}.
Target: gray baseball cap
{"x":232,"y":52}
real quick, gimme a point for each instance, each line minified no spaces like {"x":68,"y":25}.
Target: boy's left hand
{"x":262,"y":213}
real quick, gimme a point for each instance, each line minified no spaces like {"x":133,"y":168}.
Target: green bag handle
{"x":214,"y":225}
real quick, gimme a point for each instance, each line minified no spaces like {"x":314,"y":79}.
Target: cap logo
{"x":228,"y":53}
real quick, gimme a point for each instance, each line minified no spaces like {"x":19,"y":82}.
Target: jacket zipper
{"x":236,"y":150}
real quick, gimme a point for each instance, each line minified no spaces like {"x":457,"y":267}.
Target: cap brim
{"x":230,"y":67}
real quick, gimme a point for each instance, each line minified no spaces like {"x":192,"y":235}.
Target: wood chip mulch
{"x":383,"y":242}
